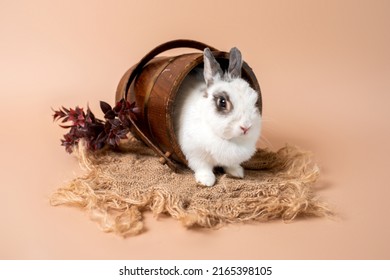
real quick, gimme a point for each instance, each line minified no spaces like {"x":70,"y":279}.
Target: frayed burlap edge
{"x":120,"y":185}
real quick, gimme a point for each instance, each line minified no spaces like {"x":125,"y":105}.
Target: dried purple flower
{"x":96,"y":132}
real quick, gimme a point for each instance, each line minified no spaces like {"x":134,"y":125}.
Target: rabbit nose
{"x":245,"y":128}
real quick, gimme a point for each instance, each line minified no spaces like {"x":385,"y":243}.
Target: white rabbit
{"x":217,"y":119}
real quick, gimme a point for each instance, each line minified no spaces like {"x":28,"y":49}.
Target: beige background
{"x":324,"y":69}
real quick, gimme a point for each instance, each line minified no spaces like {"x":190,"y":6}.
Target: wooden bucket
{"x":153,"y":84}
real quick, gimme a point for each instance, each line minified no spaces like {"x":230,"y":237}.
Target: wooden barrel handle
{"x":182,"y":43}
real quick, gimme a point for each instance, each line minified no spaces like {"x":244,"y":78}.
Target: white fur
{"x":208,"y":138}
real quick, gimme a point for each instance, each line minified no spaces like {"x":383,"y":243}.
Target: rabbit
{"x":217,"y":118}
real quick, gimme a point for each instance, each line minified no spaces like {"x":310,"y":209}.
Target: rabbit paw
{"x":235,"y":171}
{"x":205,"y":178}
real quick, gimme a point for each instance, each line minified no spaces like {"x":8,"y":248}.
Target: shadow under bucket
{"x":153,"y":85}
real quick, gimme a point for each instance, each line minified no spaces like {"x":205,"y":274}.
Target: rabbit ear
{"x":212,"y":69}
{"x":235,"y":63}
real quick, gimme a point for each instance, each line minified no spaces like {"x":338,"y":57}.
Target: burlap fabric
{"x":120,"y":185}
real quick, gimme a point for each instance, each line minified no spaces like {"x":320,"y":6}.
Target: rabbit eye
{"x":222,"y":102}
